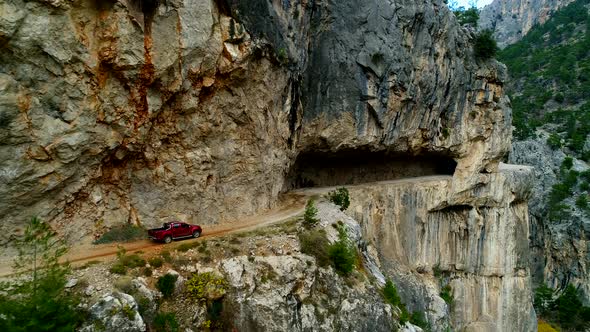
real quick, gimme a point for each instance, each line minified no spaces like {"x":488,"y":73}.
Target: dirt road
{"x":291,"y":205}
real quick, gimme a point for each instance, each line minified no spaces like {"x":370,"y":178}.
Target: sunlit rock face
{"x":141,"y":112}
{"x":512,"y":19}
{"x":478,"y":247}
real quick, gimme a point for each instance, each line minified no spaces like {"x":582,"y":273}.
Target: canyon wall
{"x":512,"y":19}
{"x":129,"y":111}
{"x":143,"y":111}
{"x":478,"y":247}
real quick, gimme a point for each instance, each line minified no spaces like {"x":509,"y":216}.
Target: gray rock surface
{"x":115,"y":312}
{"x":559,"y":249}
{"x":512,"y":19}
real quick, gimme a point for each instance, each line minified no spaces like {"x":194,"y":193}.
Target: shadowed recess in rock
{"x":315,"y":169}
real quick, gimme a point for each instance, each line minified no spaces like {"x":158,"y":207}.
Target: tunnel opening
{"x":350,"y":167}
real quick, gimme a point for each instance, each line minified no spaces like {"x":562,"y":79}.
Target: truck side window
{"x":176,"y":225}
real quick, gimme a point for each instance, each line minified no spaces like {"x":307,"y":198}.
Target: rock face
{"x":142,"y":111}
{"x":118,"y":113}
{"x":295,"y":295}
{"x":115,"y":312}
{"x":478,"y":247}
{"x":559,"y":249}
{"x":512,"y":19}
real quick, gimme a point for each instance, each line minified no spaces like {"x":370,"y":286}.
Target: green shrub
{"x":585,"y":186}
{"x":128,"y":312}
{"x":118,"y":268}
{"x":340,"y":197}
{"x":559,"y":98}
{"x":122,"y":233}
{"x":404,"y":316}
{"x":469,"y":16}
{"x":166,"y":322}
{"x":485,"y":46}
{"x":390,"y":294}
{"x":166,"y":284}
{"x":310,"y":216}
{"x":207,"y":286}
{"x":554,"y":141}
{"x":446,"y":294}
{"x":156,"y":262}
{"x":568,"y":305}
{"x":417,"y":318}
{"x":315,"y":243}
{"x":343,"y":253}
{"x":582,"y":202}
{"x":567,"y":163}
{"x":35,"y":297}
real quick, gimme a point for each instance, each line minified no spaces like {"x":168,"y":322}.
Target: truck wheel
{"x":167,"y":239}
{"x":196,"y":234}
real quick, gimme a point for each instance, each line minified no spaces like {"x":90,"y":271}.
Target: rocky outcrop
{"x":512,"y":19}
{"x":290,"y":293}
{"x":115,"y":312}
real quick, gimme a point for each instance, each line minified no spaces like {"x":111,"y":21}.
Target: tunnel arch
{"x":350,"y":167}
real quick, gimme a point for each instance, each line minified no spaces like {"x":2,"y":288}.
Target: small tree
{"x":36,"y":299}
{"x":543,"y":301}
{"x":166,"y":284}
{"x":310,"y":216}
{"x":568,"y":305}
{"x":343,"y":253}
{"x":485,"y":46}
{"x":390,"y":294}
{"x":340,"y":197}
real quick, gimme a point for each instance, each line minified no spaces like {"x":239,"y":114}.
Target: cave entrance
{"x":323,"y":169}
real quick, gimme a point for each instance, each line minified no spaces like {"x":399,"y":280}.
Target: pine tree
{"x":36,"y":300}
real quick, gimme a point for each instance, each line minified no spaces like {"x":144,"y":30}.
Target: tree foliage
{"x":467,"y":16}
{"x":166,"y":284}
{"x":342,"y":253}
{"x":340,"y":197}
{"x":310,"y":215}
{"x":36,"y":299}
{"x":566,"y":310}
{"x":485,"y":46}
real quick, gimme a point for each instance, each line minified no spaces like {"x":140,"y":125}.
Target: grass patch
{"x":315,"y":243}
{"x":166,"y":322}
{"x":122,"y":233}
{"x":156,"y":262}
{"x":125,"y":262}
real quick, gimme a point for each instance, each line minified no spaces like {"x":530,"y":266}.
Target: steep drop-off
{"x":550,"y":91}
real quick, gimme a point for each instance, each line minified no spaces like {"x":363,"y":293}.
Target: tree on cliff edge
{"x":36,"y":300}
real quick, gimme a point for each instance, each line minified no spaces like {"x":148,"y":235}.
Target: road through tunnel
{"x":323,"y":169}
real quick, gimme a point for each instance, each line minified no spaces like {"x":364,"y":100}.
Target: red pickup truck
{"x":174,"y":230}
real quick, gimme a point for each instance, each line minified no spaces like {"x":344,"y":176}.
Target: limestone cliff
{"x":142,"y":111}
{"x":512,"y":19}
{"x":122,"y":112}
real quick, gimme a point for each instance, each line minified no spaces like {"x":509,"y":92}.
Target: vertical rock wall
{"x":477,"y":247}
